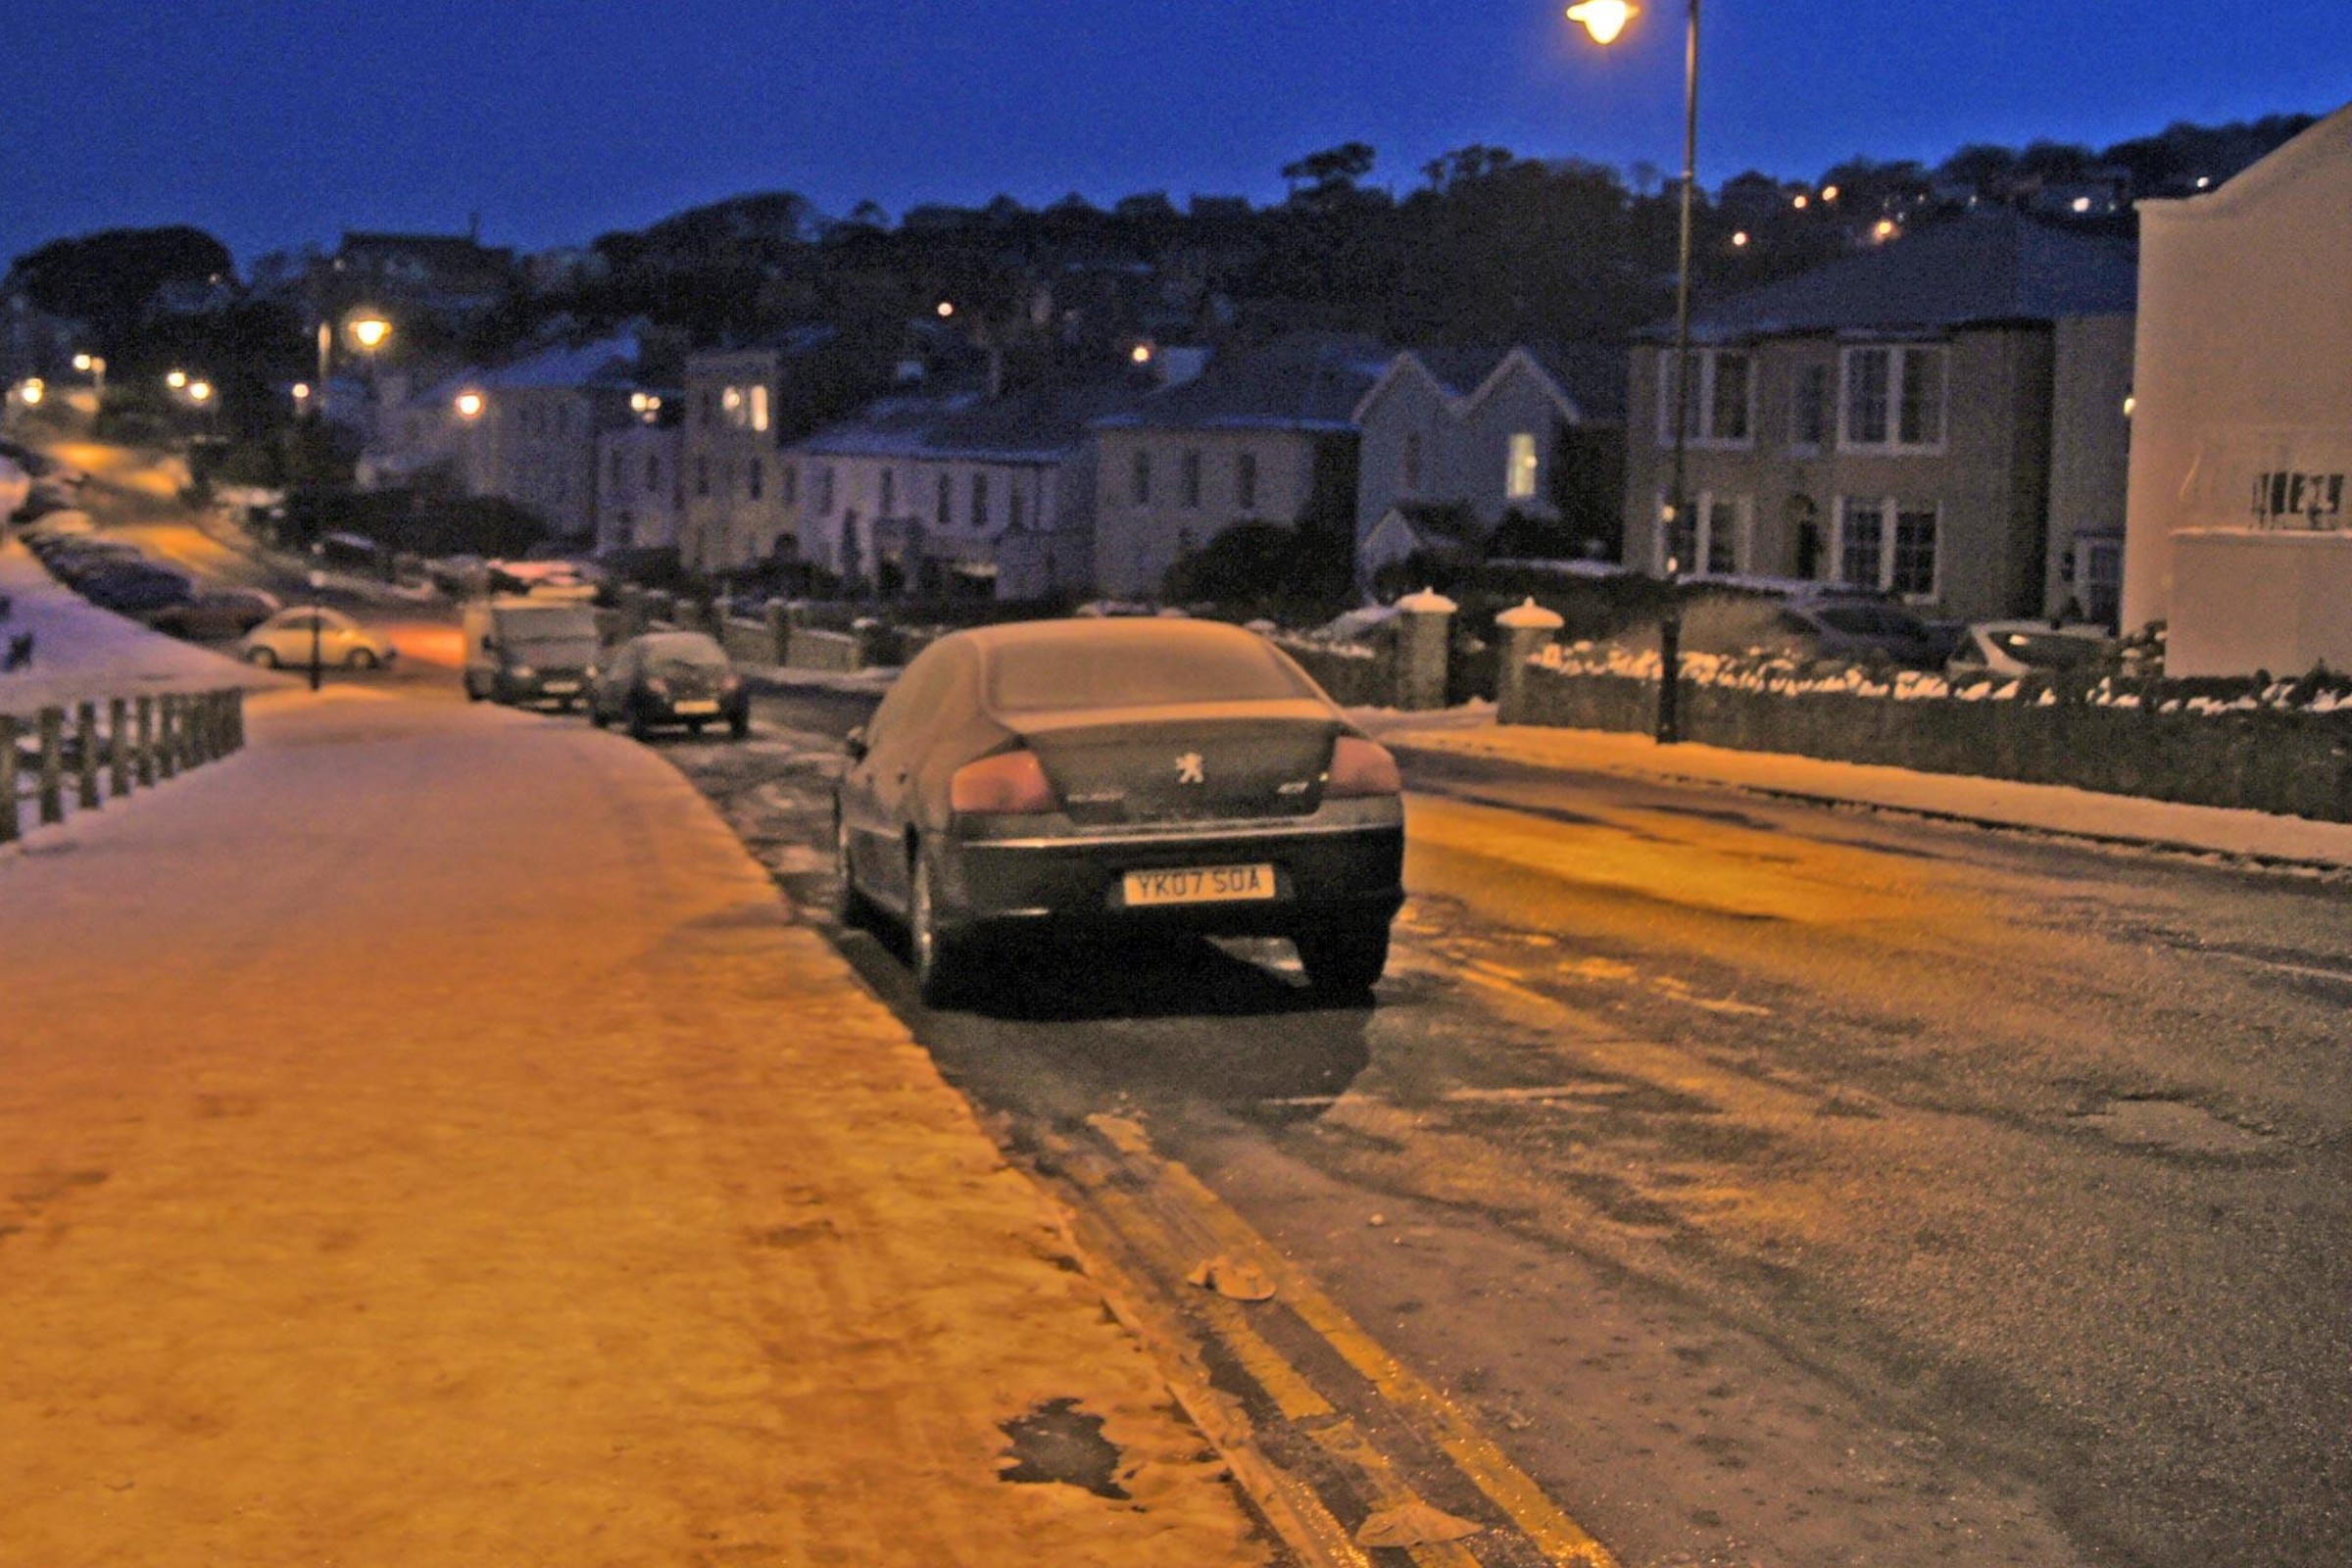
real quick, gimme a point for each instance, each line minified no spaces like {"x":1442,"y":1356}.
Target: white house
{"x":2238,"y":529}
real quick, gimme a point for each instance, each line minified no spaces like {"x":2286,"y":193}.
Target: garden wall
{"x":2298,"y":764}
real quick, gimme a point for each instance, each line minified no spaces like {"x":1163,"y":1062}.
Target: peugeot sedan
{"x":1142,"y":776}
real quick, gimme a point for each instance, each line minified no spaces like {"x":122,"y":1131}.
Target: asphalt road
{"x":1780,"y":1185}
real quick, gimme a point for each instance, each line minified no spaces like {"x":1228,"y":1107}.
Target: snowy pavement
{"x":1979,"y":802}
{"x":426,"y":1139}
{"x":82,"y":652}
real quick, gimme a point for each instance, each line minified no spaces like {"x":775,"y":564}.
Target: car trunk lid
{"x":1188,"y":763}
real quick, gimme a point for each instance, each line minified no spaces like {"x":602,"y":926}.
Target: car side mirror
{"x":855,"y":744}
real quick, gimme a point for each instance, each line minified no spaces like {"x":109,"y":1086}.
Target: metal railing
{"x":136,"y":742}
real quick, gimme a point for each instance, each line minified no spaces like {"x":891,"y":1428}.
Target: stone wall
{"x":2297,"y":763}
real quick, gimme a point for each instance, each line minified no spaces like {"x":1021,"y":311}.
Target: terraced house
{"x":959,"y":495}
{"x":1940,"y":417}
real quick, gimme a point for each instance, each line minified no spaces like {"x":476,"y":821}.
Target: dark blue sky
{"x":271,"y":123}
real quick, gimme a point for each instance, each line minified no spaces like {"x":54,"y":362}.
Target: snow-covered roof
{"x":1310,"y":383}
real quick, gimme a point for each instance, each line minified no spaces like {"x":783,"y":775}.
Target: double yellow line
{"x":1146,"y":1223}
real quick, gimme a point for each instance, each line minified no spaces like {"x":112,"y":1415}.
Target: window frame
{"x":1522,"y":460}
{"x":1893,"y":513}
{"x":1900,"y":359}
{"x":1704,"y":504}
{"x":1701,"y":432}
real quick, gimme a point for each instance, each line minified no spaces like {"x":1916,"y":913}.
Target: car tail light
{"x":1008,"y":784}
{"x":1359,"y":768}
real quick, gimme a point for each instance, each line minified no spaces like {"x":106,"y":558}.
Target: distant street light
{"x":946,"y":307}
{"x":93,"y":366}
{"x":369,"y":331}
{"x":32,"y":391}
{"x":470,"y":405}
{"x":1604,"y":20}
{"x":200,"y":391}
{"x":177,"y":380}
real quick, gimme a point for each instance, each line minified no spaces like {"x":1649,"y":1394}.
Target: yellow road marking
{"x":1559,"y":1537}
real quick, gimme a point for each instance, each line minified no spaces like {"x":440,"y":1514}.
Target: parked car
{"x":1828,"y":626}
{"x":669,"y":677}
{"x":1119,"y":774}
{"x":53,"y":522}
{"x":528,"y":650}
{"x":2013,"y":648}
{"x":217,"y":614}
{"x":133,"y":589}
{"x":284,"y":641}
{"x":72,"y":559}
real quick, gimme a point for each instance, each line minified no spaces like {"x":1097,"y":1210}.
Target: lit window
{"x":1519,"y":468}
{"x":760,"y":408}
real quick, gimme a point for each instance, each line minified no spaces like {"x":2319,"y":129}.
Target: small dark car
{"x":134,"y":589}
{"x":215,"y":615}
{"x":669,"y":677}
{"x":1138,"y":776}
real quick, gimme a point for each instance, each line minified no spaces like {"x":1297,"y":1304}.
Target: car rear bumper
{"x":1322,"y":873}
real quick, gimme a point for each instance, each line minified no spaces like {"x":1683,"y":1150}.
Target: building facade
{"x":640,"y":496}
{"x":1268,"y":438}
{"x":1887,"y":422}
{"x":2239,"y":535}
{"x":740,"y":497}
{"x":1484,"y":435}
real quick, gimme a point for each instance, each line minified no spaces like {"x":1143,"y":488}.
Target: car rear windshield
{"x":1048,"y":676}
{"x":692,"y":650}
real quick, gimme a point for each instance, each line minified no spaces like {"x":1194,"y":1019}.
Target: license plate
{"x":1214,"y":883}
{"x":560,"y":686}
{"x":695,"y":704}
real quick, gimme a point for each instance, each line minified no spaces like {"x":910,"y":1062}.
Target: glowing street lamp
{"x":200,"y":392}
{"x":371,"y":331}
{"x":32,"y":391}
{"x":1604,"y":20}
{"x":177,"y":380}
{"x":470,"y":405}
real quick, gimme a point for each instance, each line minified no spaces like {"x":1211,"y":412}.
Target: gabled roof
{"x":1310,"y":383}
{"x":1585,"y":382}
{"x":1984,"y":267}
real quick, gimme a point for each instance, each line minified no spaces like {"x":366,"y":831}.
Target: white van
{"x":527,"y":651}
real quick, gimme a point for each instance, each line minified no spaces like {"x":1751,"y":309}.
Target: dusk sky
{"x":272,"y":122}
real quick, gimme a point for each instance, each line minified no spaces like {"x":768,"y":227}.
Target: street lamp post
{"x":317,"y":606}
{"x":1604,"y":20}
{"x":367,"y":328}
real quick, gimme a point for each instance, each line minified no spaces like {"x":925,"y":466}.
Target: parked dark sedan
{"x":669,"y":677}
{"x":1145,"y":776}
{"x":215,"y":615}
{"x":132,"y":590}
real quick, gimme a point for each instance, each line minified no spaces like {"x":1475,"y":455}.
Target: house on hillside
{"x":1268,"y":438}
{"x":640,"y":491}
{"x":1454,"y":441}
{"x":526,"y":432}
{"x":2239,"y":525}
{"x":960,"y":496}
{"x":1938,"y":417}
{"x":742,"y":495}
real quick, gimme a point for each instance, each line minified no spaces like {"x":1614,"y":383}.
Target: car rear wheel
{"x":360,"y":659}
{"x":262,"y":657}
{"x":941,"y":970}
{"x":1344,"y":960}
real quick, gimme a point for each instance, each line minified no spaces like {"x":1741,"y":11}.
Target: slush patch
{"x":1056,"y":1442}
